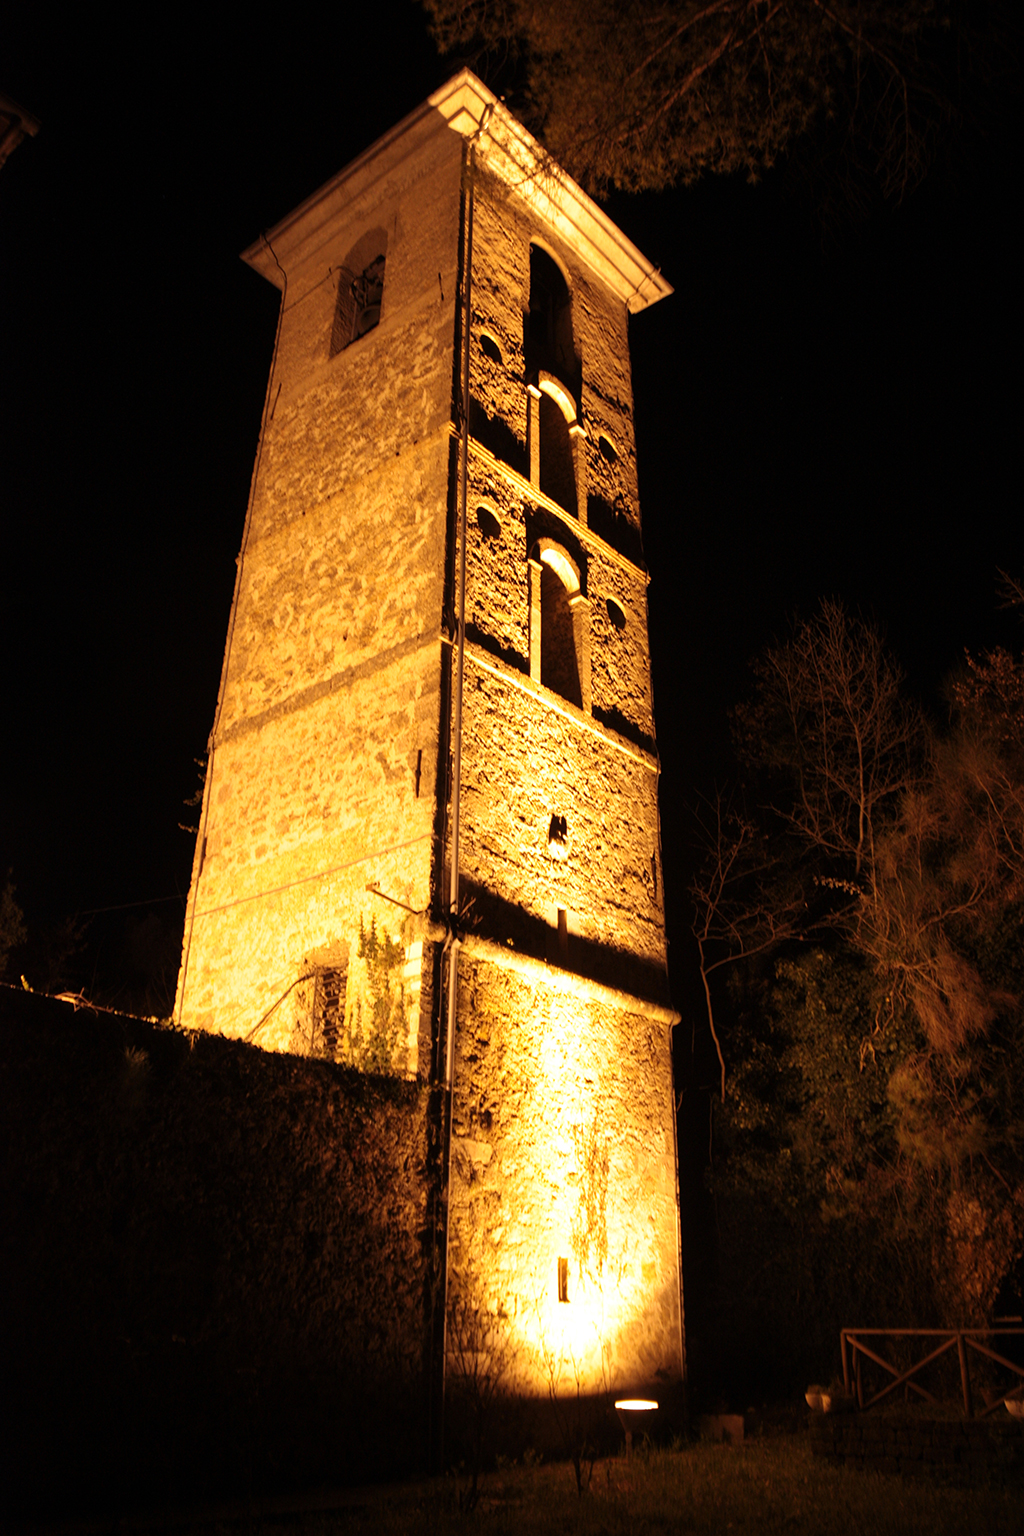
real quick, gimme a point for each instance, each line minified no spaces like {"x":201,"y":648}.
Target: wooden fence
{"x":855,"y":1351}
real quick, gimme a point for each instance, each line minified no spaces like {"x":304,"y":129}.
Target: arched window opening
{"x":368,"y":296}
{"x":487,"y":522}
{"x":616,"y":614}
{"x":557,"y":468}
{"x":548,"y":339}
{"x":360,"y":291}
{"x":559,"y":624}
{"x":559,"y":664}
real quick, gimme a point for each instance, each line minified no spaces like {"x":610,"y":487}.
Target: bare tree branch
{"x":640,"y":94}
{"x":738,"y":912}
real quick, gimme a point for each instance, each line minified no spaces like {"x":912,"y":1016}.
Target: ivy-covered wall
{"x":216,"y":1268}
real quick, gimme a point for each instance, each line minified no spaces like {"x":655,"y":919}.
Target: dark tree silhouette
{"x":643,"y":94}
{"x":894,"y":850}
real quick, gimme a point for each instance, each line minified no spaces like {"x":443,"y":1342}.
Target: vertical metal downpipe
{"x":460,"y":661}
{"x":453,"y":885}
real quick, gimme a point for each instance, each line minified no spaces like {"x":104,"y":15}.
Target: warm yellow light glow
{"x":587,"y":1332}
{"x":635,"y":1404}
{"x":551,"y":555}
{"x":327,"y":820}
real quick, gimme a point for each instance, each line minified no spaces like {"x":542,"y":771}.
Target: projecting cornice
{"x":465,"y":106}
{"x":516,"y":158}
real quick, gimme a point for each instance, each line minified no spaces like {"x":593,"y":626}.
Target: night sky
{"x":821,"y":411}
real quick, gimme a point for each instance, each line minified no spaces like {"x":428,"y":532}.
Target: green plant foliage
{"x":377,"y":1029}
{"x":816,"y":1210}
{"x":13,"y":932}
{"x":872,"y":1123}
{"x":813,"y":1080}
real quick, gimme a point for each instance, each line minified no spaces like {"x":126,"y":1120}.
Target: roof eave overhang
{"x":509,"y":152}
{"x":515,"y":157}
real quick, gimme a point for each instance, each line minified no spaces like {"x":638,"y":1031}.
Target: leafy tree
{"x":891,"y":1110}
{"x":642,"y":94}
{"x":13,"y":932}
{"x":829,"y":750}
{"x":817,"y":1217}
{"x":901,"y":842}
{"x":982,"y":771}
{"x":829,"y":729}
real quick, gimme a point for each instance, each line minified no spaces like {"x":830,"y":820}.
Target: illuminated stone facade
{"x":320,"y":917}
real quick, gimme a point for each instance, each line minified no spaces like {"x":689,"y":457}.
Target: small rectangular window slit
{"x":563,"y":1279}
{"x":419,"y":771}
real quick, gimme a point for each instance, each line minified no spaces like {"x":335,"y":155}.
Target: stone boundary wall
{"x":965,"y":1451}
{"x":216,"y":1273}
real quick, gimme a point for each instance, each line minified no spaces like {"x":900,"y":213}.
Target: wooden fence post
{"x":965,"y":1380}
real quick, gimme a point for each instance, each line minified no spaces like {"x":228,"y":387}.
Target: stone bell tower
{"x":430,"y":840}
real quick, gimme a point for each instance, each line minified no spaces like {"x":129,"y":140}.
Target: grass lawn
{"x":764,"y":1486}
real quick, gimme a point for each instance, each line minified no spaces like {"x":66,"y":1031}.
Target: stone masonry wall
{"x":216,"y":1271}
{"x":563,"y":1148}
{"x":348,"y":580}
{"x":497,"y":612}
{"x":323,"y":774}
{"x":524,"y":762}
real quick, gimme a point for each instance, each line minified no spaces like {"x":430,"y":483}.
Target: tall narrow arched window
{"x":553,"y":432}
{"x":559,"y":625}
{"x":360,"y":290}
{"x":548,"y":340}
{"x":557,"y":471}
{"x":559,"y":664}
{"x":553,"y":381}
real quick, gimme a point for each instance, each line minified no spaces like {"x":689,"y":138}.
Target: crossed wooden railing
{"x":855,"y":1351}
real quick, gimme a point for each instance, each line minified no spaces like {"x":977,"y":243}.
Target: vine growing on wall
{"x":377,"y":1026}
{"x":589,"y":1229}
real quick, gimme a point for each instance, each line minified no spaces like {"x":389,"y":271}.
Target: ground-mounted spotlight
{"x":634,"y":1414}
